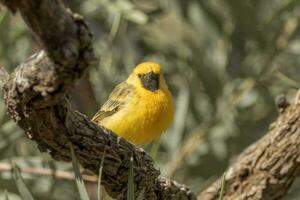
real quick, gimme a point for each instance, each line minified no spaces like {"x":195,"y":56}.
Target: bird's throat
{"x":150,"y":81}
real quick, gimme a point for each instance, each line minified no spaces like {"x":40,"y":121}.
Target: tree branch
{"x":35,"y":95}
{"x":266,"y":169}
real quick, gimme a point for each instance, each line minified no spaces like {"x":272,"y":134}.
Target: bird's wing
{"x":116,"y":101}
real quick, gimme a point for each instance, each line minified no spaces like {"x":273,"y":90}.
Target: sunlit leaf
{"x":79,"y":180}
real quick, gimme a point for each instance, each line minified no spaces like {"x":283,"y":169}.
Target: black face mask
{"x":150,"y":81}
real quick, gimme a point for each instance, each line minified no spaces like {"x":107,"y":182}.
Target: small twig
{"x":6,"y":167}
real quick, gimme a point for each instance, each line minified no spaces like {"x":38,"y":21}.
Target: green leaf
{"x":130,"y":184}
{"x":222,"y":187}
{"x":115,"y":26}
{"x":154,"y":148}
{"x":6,"y":195}
{"x":79,"y":180}
{"x":24,"y":192}
{"x":136,"y":16}
{"x":100,"y":173}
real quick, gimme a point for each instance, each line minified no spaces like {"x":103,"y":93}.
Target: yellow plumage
{"x":140,"y":108}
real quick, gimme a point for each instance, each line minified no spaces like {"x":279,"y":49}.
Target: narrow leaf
{"x":79,"y":181}
{"x":130,"y":184}
{"x":6,"y":195}
{"x":100,"y":173}
{"x":222,"y":187}
{"x":154,"y":148}
{"x":24,"y":192}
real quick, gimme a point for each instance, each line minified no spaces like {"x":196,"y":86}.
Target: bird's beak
{"x":150,"y":81}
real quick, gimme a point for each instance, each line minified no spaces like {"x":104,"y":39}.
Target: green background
{"x":225,"y":61}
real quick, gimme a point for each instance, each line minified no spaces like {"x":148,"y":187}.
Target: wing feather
{"x":116,"y":101}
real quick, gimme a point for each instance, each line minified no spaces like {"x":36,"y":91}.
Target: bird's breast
{"x":152,"y":105}
{"x":153,"y":113}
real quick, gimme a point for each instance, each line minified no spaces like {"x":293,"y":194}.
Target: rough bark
{"x":35,"y":95}
{"x":266,"y":169}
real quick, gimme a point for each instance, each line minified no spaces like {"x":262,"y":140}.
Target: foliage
{"x":225,"y":61}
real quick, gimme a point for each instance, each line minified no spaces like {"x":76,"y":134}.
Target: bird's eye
{"x":139,"y":75}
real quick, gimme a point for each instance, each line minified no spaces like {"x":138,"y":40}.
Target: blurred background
{"x":225,"y":61}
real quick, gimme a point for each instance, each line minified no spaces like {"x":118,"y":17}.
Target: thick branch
{"x":267,"y":168}
{"x":36,"y":98}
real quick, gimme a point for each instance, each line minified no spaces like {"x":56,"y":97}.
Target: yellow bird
{"x":140,"y":108}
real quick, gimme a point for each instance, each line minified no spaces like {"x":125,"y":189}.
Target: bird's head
{"x":148,"y":75}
